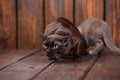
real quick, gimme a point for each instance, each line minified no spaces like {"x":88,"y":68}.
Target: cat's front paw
{"x":91,"y":52}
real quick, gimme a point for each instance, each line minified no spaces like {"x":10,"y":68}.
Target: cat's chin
{"x":55,"y":57}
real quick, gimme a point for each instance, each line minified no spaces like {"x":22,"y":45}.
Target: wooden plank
{"x":107,"y":67}
{"x":67,"y":70}
{"x":26,"y":68}
{"x":58,"y":8}
{"x":30,"y":22}
{"x":113,"y":18}
{"x":11,"y":56}
{"x":7,"y":24}
{"x":4,"y":50}
{"x":85,"y":9}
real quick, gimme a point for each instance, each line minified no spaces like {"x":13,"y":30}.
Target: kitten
{"x":62,"y":40}
{"x":96,"y":33}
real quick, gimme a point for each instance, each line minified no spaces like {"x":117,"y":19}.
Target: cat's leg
{"x":98,"y":48}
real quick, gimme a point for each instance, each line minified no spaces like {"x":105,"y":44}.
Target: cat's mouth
{"x":54,"y":56}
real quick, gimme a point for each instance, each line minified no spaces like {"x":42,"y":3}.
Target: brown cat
{"x":96,"y":32}
{"x":62,"y":40}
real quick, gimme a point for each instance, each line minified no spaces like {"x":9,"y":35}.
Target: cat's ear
{"x":43,"y":36}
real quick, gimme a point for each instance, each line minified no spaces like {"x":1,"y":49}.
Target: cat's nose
{"x":49,"y":52}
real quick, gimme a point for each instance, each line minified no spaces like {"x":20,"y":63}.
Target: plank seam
{"x":44,"y":16}
{"x":16,"y":4}
{"x":33,"y":77}
{"x":104,"y":13}
{"x":19,"y":60}
{"x":74,"y":10}
{"x":90,"y":65}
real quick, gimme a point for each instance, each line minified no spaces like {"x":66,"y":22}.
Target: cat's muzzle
{"x":53,"y":56}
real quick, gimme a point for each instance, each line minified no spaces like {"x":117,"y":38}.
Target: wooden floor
{"x":34,"y":65}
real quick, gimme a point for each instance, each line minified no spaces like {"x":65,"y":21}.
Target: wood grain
{"x":66,"y":70}
{"x":58,"y":8}
{"x":113,"y":18}
{"x":107,"y":67}
{"x":32,"y":16}
{"x":12,"y":56}
{"x":30,"y":22}
{"x":85,"y":9}
{"x":7,"y":24}
{"x":26,"y":68}
{"x":32,"y":65}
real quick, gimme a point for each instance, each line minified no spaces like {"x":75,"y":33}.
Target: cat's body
{"x":96,"y":32}
{"x":62,"y":39}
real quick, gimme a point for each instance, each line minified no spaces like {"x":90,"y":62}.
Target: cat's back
{"x":92,"y":25}
{"x":62,"y":27}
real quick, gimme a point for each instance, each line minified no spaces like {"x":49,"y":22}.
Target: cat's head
{"x":56,"y":46}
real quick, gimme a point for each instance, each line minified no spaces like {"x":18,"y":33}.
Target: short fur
{"x":67,"y":35}
{"x":97,"y":32}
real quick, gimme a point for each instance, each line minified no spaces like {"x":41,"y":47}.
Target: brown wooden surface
{"x":34,"y":65}
{"x":4,"y":50}
{"x":7,"y":24}
{"x":66,"y":70}
{"x":106,"y":68}
{"x":58,"y":8}
{"x":26,"y":68}
{"x":113,"y":18}
{"x":21,"y":20}
{"x":11,"y":56}
{"x":30,"y":22}
{"x":85,"y":9}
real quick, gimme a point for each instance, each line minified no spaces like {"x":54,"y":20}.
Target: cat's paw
{"x":91,"y":52}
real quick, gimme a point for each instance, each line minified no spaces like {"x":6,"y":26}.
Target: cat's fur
{"x":62,"y":39}
{"x":97,"y":33}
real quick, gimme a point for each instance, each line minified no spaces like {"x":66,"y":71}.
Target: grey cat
{"x":97,"y":33}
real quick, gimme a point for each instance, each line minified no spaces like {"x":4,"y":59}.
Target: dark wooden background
{"x":21,"y":19}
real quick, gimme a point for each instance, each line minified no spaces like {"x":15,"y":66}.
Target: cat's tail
{"x":109,"y":42}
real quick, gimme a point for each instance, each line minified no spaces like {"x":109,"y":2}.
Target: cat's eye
{"x":45,"y":46}
{"x":55,"y":46}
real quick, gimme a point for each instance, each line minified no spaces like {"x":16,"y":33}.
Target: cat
{"x":96,"y":32}
{"x":62,"y":40}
